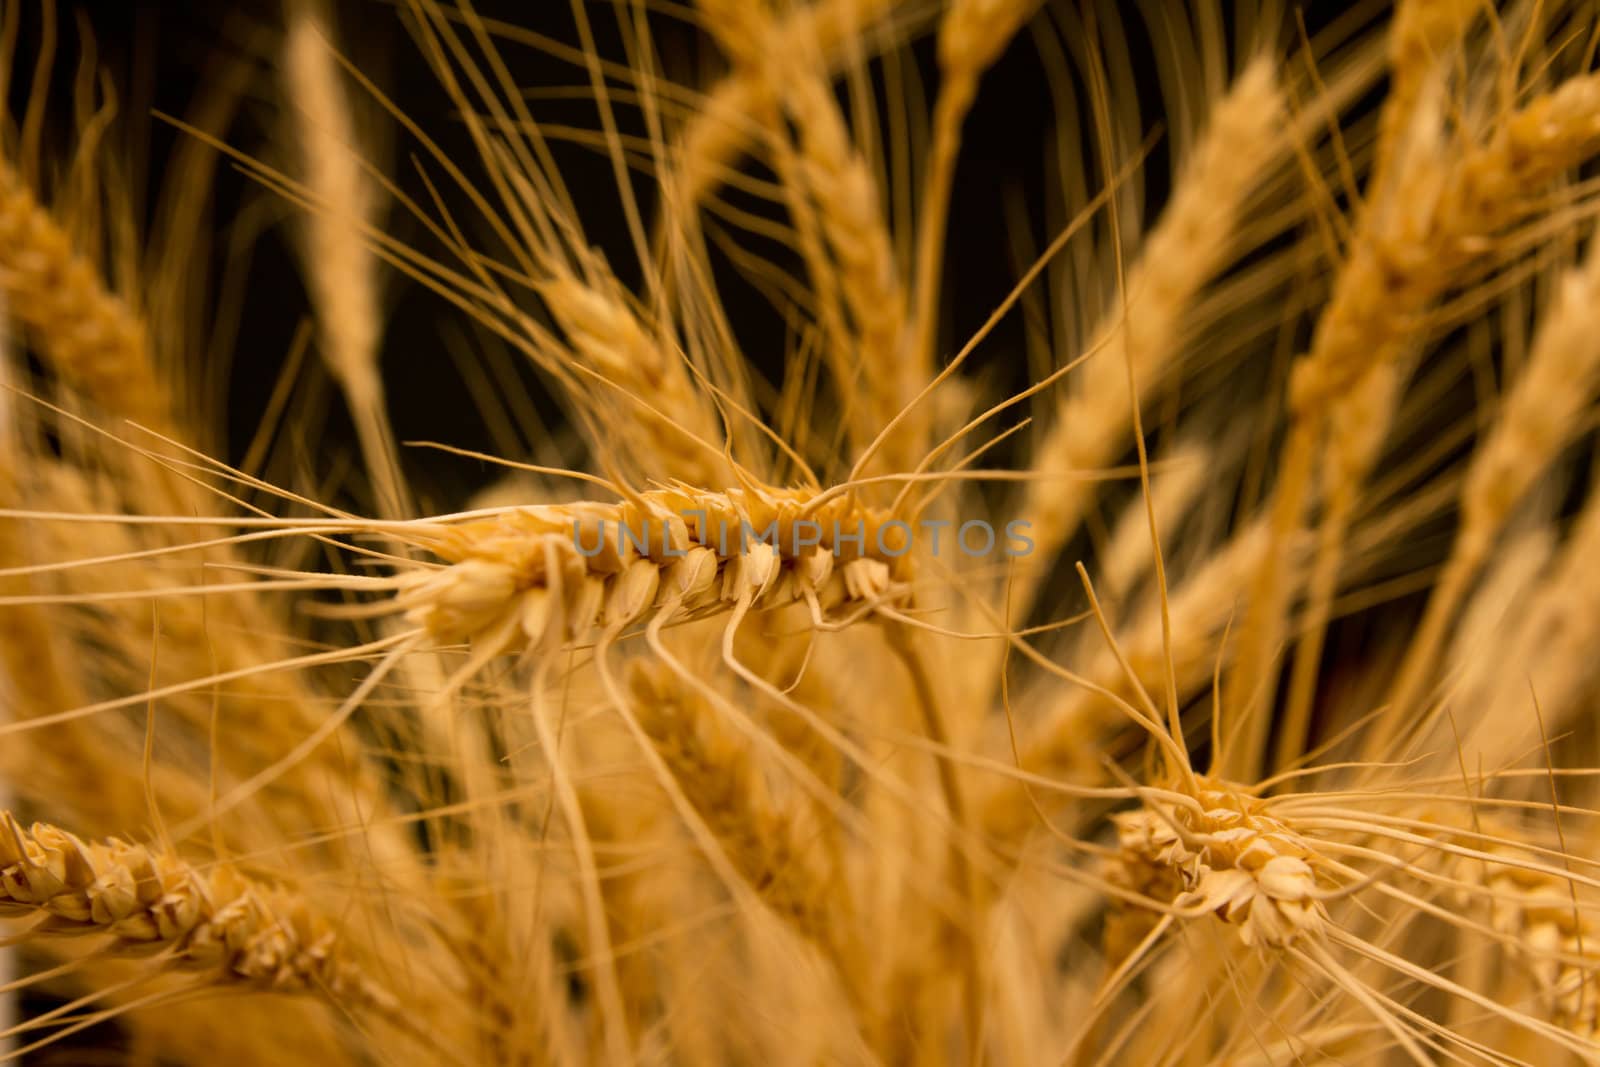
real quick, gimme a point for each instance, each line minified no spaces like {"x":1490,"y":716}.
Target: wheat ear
{"x":341,"y":270}
{"x":768,"y":840}
{"x":720,"y":128}
{"x":1544,"y":927}
{"x":218,"y":922}
{"x":93,"y":338}
{"x":537,"y":577}
{"x":668,"y":422}
{"x":1401,"y":261}
{"x":1181,"y":254}
{"x":838,"y":183}
{"x":1542,"y":413}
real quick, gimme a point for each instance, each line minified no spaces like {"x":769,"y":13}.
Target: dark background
{"x":163,"y":56}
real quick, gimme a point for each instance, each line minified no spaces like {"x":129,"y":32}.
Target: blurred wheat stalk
{"x":1275,"y":748}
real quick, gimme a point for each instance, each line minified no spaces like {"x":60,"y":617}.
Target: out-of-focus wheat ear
{"x":772,"y":844}
{"x":1542,"y":923}
{"x":1542,"y":414}
{"x":720,"y":128}
{"x":660,"y":412}
{"x":342,"y":272}
{"x":1551,"y":643}
{"x":841,"y":183}
{"x":1433,"y":225}
{"x":91,"y":336}
{"x":77,"y":764}
{"x":840,"y":223}
{"x":1422,"y":32}
{"x":1359,"y":422}
{"x":1184,"y":251}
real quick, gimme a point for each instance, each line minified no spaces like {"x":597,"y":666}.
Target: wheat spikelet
{"x":1226,"y":857}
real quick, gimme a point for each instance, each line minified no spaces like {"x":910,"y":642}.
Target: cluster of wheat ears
{"x":1275,"y":746}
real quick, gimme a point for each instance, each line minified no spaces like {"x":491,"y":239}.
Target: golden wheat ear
{"x":218,"y":925}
